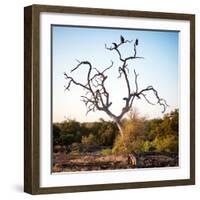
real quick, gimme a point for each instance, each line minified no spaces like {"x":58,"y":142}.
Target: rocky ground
{"x":63,"y":162}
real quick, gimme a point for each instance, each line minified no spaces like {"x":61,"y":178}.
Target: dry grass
{"x":91,"y":161}
{"x":86,"y":162}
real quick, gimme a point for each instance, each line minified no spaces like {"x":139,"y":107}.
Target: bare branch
{"x":97,"y":97}
{"x":153,"y":104}
{"x":71,"y":80}
{"x":160,"y":101}
{"x":115,"y":45}
{"x":116,"y":48}
{"x":136,"y":84}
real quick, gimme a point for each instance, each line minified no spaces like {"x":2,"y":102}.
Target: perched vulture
{"x":115,"y":45}
{"x":136,"y":42}
{"x":122,"y":39}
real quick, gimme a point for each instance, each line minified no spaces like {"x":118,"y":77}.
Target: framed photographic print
{"x":109,"y":99}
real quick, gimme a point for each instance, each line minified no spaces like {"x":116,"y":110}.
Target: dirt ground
{"x":63,"y":162}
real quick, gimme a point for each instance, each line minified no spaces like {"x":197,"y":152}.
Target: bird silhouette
{"x":122,"y":39}
{"x":115,"y":45}
{"x":136,"y":42}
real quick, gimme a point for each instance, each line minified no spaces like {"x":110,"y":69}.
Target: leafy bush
{"x":148,"y":146}
{"x":67,"y":139}
{"x":56,"y":134}
{"x":70,"y":132}
{"x":88,"y":140}
{"x":162,"y":134}
{"x":167,"y":144}
{"x":106,"y":152}
{"x":133,"y":139}
{"x":139,"y":134}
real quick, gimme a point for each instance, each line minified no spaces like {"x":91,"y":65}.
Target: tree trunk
{"x":119,"y":126}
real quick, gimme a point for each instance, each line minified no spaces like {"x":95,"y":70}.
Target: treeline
{"x":140,"y":134}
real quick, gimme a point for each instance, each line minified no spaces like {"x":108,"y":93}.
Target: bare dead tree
{"x":97,"y":98}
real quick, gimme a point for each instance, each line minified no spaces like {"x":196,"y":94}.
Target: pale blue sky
{"x":159,"y":68}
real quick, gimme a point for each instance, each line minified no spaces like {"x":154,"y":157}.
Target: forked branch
{"x":97,"y":96}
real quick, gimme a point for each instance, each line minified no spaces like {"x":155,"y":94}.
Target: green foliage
{"x":106,"y":152}
{"x":56,"y":134}
{"x":66,"y":139}
{"x":88,"y":140}
{"x":162,"y":134}
{"x":70,"y":132}
{"x":133,"y":139}
{"x":148,"y":146}
{"x":106,"y":133}
{"x":140,"y":135}
{"x":152,"y":128}
{"x":100,"y":133}
{"x":169,"y":143}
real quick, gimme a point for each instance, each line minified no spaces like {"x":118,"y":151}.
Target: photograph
{"x":109,"y":99}
{"x":114,"y":98}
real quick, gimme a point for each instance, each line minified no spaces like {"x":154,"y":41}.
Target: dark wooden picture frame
{"x":32,"y":98}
